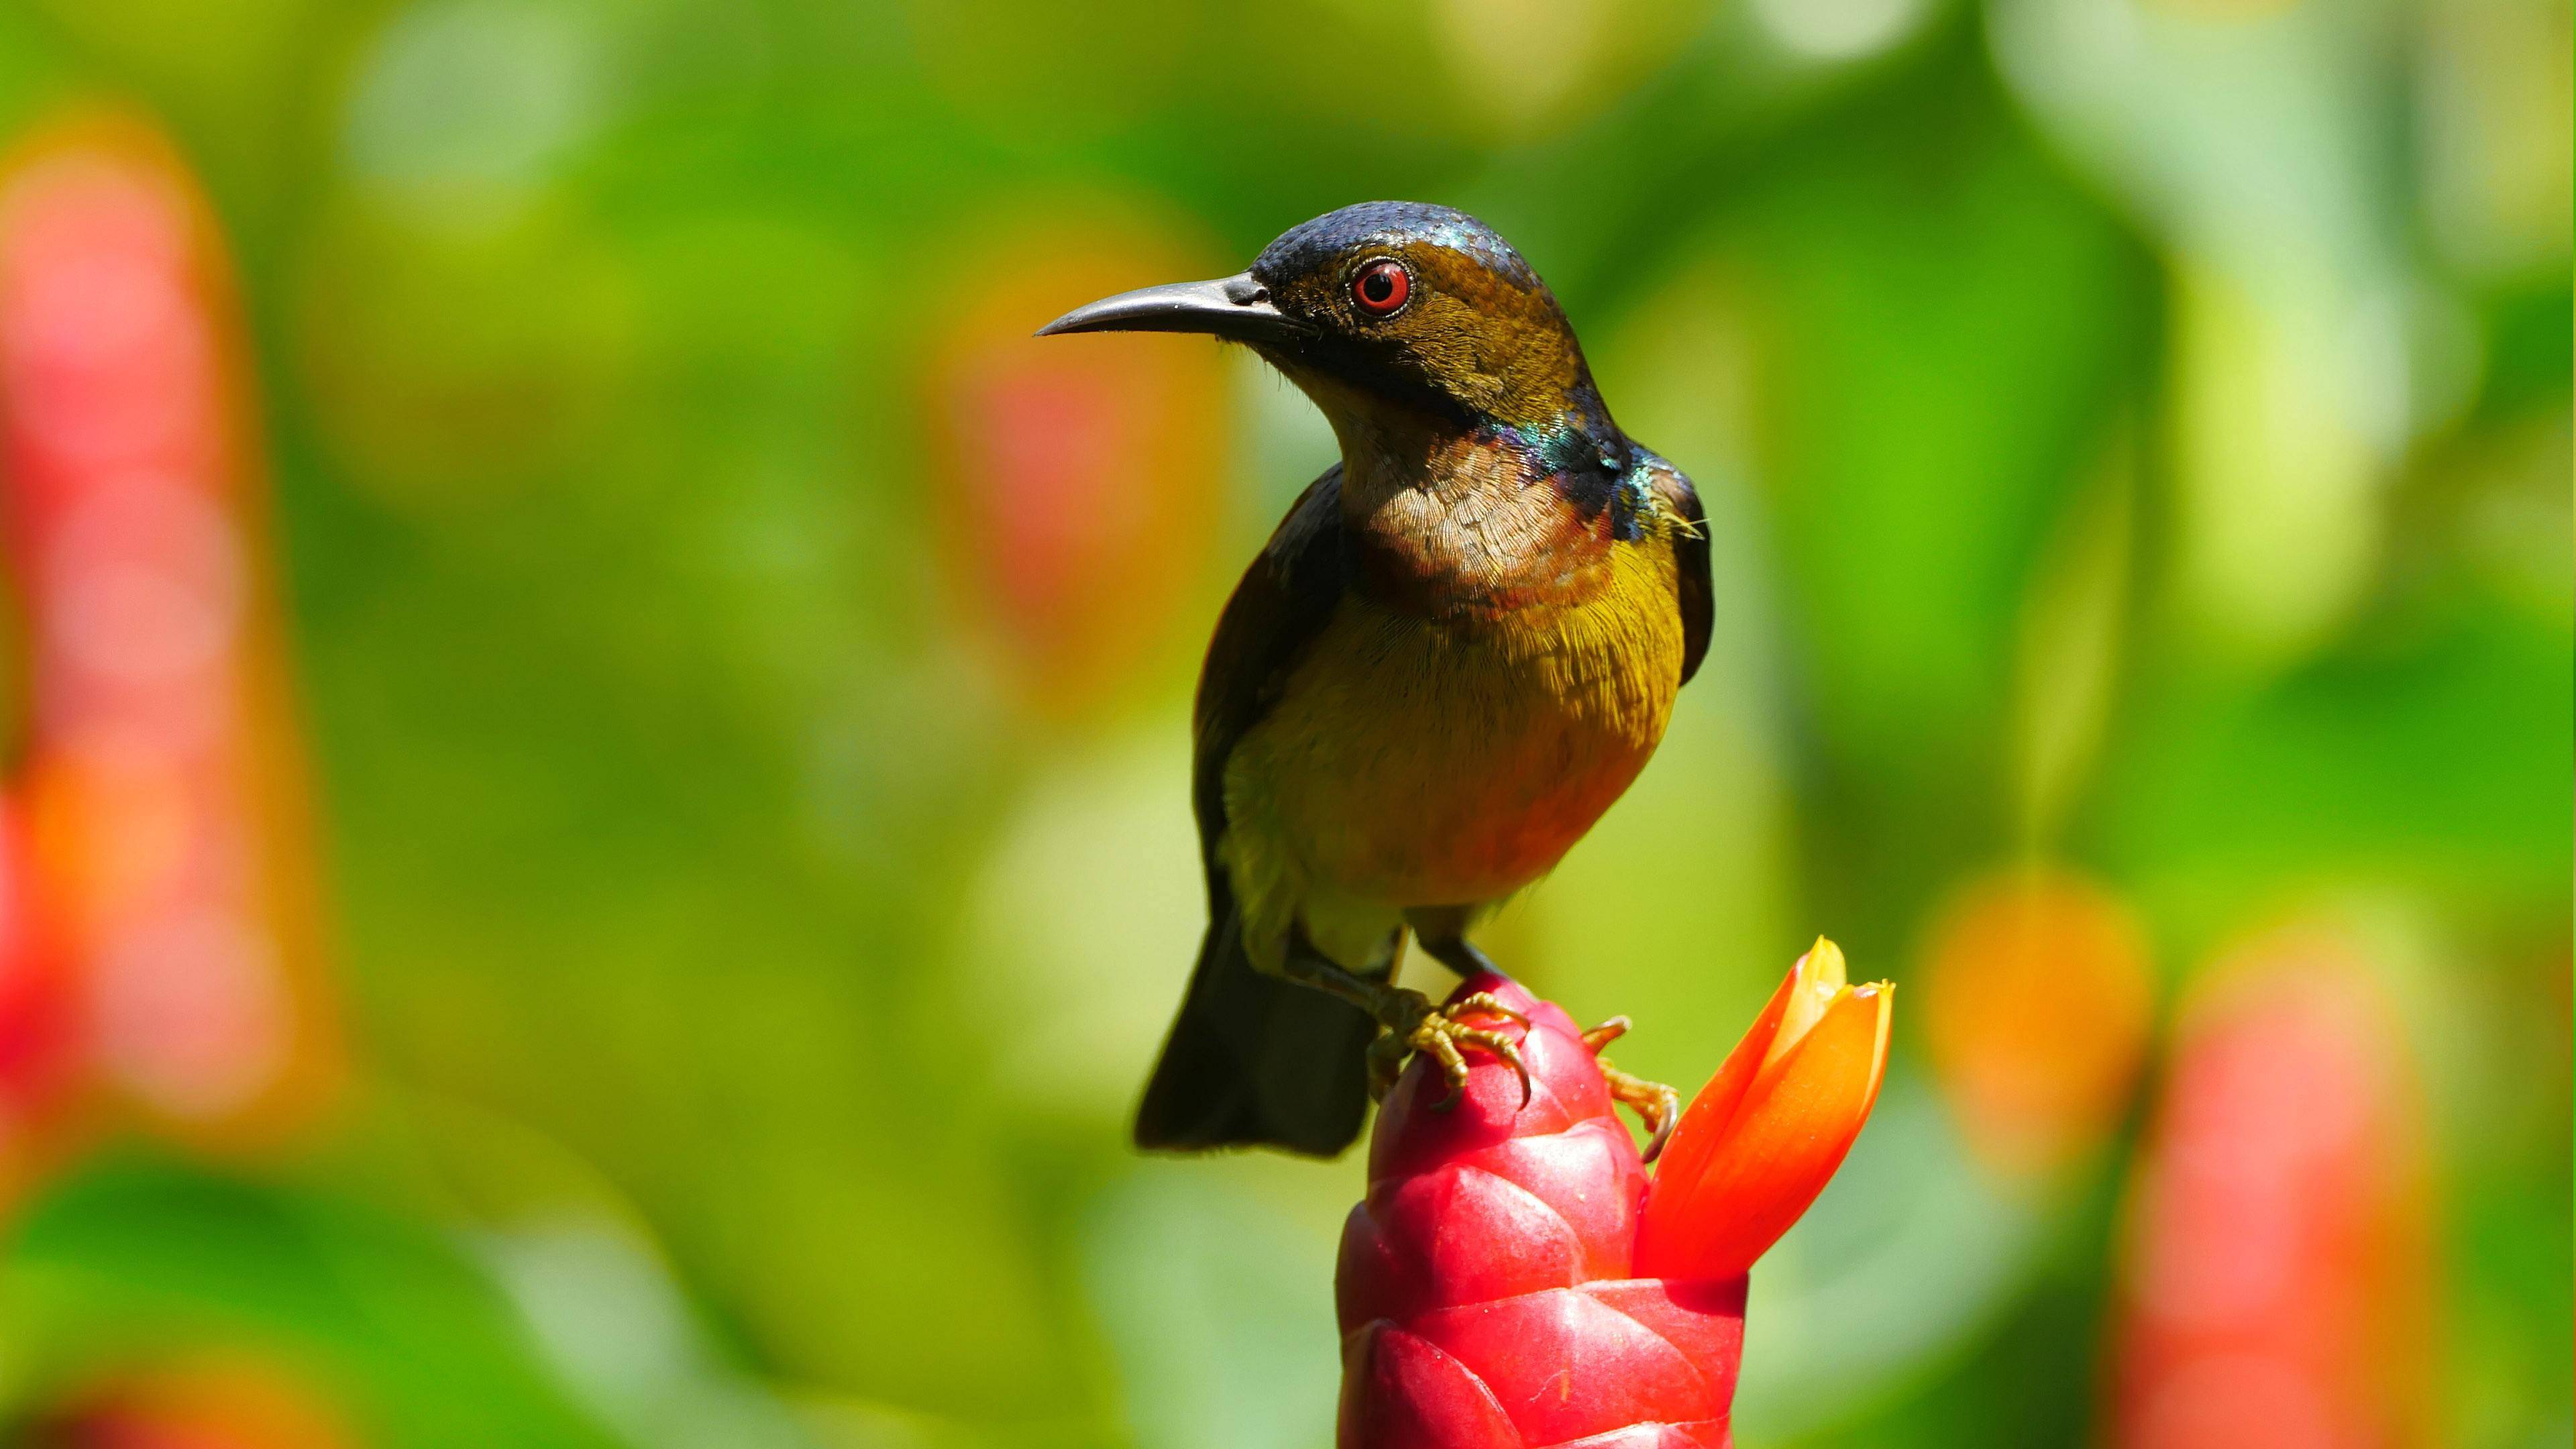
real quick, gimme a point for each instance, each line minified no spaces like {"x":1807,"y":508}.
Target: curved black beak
{"x":1237,"y":307}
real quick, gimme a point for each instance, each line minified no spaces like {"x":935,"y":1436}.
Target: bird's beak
{"x":1236,"y":307}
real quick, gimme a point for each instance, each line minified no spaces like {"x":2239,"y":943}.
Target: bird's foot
{"x":1413,"y":1024}
{"x":1655,"y":1104}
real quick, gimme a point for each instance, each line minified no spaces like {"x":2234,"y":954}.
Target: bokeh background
{"x":595,"y":840}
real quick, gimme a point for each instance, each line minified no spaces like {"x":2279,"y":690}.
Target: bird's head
{"x":1386,"y":308}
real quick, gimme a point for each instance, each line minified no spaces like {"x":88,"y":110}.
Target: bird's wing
{"x":1690,"y":564}
{"x":1284,"y":601}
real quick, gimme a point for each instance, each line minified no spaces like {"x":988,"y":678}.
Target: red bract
{"x":1488,"y":1289}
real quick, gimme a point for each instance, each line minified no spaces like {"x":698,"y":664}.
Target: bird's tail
{"x":1256,"y":1061}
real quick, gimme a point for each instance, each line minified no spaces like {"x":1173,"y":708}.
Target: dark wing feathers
{"x":1690,"y":565}
{"x":1254,"y":1058}
{"x":1284,"y":601}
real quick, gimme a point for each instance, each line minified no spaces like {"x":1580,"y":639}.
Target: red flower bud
{"x":1488,"y":1290}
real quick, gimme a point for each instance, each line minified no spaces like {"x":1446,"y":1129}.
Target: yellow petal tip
{"x":1823,"y":966}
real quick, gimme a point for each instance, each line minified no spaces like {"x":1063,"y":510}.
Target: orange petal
{"x":1696,"y":1137}
{"x":1787,"y":1135}
{"x":1815,"y":983}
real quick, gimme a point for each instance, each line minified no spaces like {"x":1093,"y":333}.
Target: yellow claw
{"x":1485,"y":1003}
{"x":1606,"y":1033}
{"x":1655,"y":1104}
{"x":1415,"y":1025}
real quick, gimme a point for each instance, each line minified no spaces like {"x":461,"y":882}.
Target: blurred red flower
{"x":2279,"y":1280}
{"x":1077,"y":490}
{"x":40,"y":1019}
{"x":1515,"y":1280}
{"x":163,"y":787}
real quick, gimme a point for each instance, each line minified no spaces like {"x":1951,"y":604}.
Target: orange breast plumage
{"x":1416,"y":762}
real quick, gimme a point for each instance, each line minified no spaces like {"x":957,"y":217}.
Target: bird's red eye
{"x":1381,"y":287}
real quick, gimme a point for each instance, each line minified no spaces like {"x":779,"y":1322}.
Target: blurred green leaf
{"x":138,"y":1257}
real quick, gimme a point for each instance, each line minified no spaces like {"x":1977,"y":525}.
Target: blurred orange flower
{"x":2037,"y":1005}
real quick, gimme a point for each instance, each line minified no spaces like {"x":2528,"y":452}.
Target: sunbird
{"x":1455,"y":652}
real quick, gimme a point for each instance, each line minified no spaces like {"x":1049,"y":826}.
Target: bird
{"x":1457,"y":650}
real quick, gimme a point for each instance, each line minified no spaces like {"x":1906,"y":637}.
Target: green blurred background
{"x":746,"y":679}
